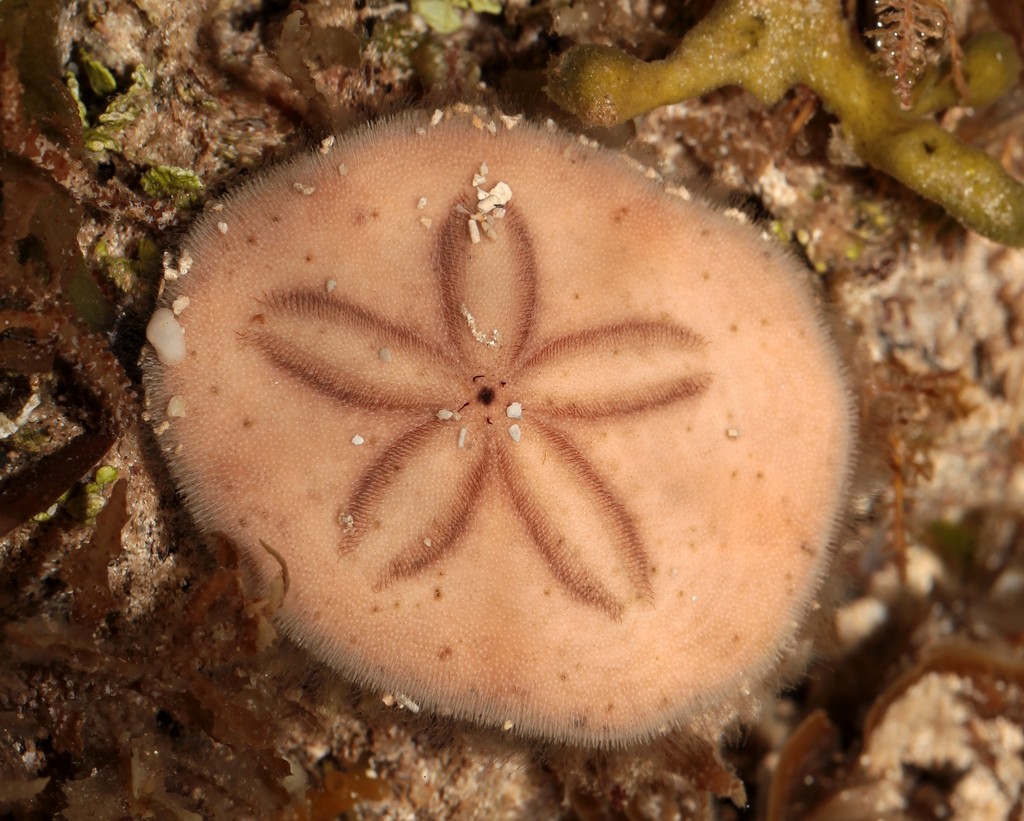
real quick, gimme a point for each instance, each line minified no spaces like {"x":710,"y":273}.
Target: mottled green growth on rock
{"x":443,"y":16}
{"x":171,"y":182}
{"x":769,"y":46}
{"x":101,"y":81}
{"x":120,"y":112}
{"x":51,"y":511}
{"x":126,"y":272}
{"x":76,"y":94}
{"x":84,"y":501}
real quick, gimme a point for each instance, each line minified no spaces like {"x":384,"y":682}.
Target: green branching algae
{"x":101,"y":80}
{"x":171,"y":182}
{"x":769,"y":46}
{"x":121,"y":110}
{"x":83,"y":501}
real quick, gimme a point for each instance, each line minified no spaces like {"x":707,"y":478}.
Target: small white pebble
{"x":218,"y":206}
{"x":503,"y":191}
{"x":326,"y":143}
{"x":515,"y":432}
{"x":305,"y":190}
{"x":406,"y":702}
{"x":514,"y":411}
{"x":357,"y":440}
{"x":428,"y":542}
{"x":421,"y":130}
{"x":184,"y":263}
{"x":510,"y":122}
{"x":176,"y":406}
{"x":421,"y":203}
{"x":426,"y":221}
{"x":384,"y":354}
{"x":462,"y":437}
{"x":170,"y":272}
{"x":437,"y":116}
{"x":858,"y":620}
{"x":331,"y":285}
{"x":679,"y":191}
{"x":180,"y":304}
{"x":732,"y":433}
{"x":388,"y":700}
{"x":508,"y":725}
{"x":1008,"y":588}
{"x":343,"y":170}
{"x":495,"y":198}
{"x":483,"y":169}
{"x":222,"y":227}
{"x":166,"y":336}
{"x":444,"y":415}
{"x":474,"y":231}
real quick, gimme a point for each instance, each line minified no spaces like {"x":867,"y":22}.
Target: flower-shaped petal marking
{"x":290,"y":332}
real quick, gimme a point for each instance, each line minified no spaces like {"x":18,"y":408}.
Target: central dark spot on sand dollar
{"x":485,"y":395}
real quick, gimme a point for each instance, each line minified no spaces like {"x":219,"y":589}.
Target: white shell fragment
{"x":499,"y":195}
{"x":166,"y":336}
{"x":176,"y":406}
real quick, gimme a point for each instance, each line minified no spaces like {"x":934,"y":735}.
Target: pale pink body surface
{"x":604,"y":521}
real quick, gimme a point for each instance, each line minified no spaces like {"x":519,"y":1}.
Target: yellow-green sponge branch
{"x":769,"y":46}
